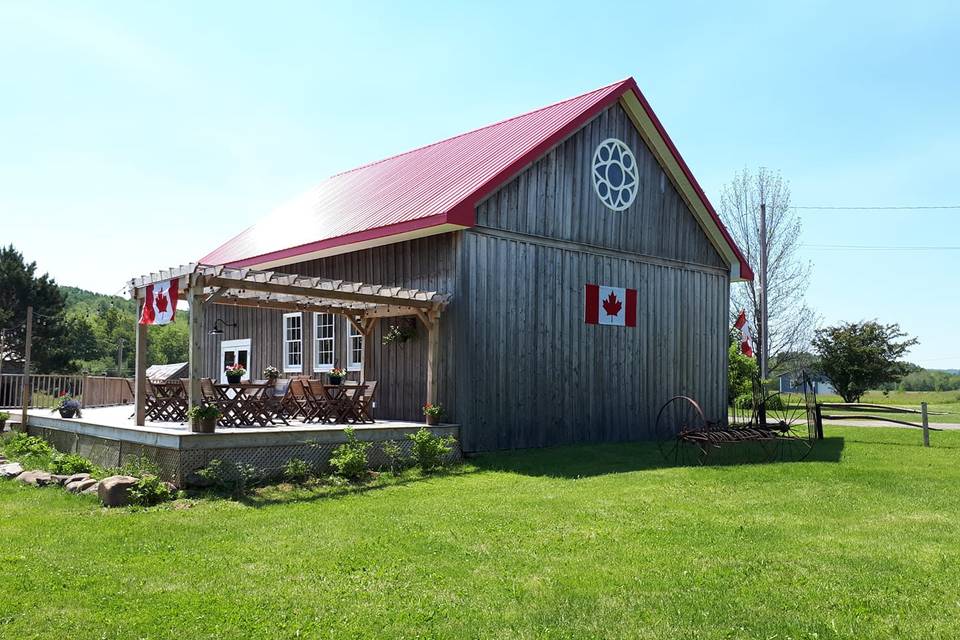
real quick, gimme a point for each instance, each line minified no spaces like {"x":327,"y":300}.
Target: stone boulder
{"x":35,"y":478}
{"x":94,"y":488}
{"x":75,"y":477}
{"x":115,"y":490}
{"x":59,"y":479}
{"x":10,"y":470}
{"x":80,"y":486}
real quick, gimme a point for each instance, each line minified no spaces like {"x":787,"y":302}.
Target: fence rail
{"x":92,"y":391}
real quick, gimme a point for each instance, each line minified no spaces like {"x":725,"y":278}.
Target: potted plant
{"x":203,"y":418}
{"x":235,"y":373}
{"x":432,"y":412}
{"x":337,"y":375}
{"x":400,"y":333}
{"x":271,"y":374}
{"x":67,"y":405}
{"x":4,"y":416}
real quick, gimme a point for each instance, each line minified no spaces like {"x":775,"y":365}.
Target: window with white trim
{"x":354,"y":349}
{"x":293,"y":343}
{"x":324,"y":335}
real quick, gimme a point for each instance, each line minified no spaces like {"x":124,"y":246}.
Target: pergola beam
{"x":315,"y":293}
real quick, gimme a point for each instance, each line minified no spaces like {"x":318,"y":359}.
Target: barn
{"x":584,"y":273}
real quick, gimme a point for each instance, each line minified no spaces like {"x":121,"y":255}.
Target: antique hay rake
{"x":778,"y":427}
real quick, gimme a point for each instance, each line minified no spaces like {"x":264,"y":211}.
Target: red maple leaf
{"x":161,"y":301}
{"x":611,"y":305}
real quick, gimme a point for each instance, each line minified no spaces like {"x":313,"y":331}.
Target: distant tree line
{"x":75,"y":331}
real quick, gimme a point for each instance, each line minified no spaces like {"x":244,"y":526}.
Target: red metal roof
{"x":437,"y":185}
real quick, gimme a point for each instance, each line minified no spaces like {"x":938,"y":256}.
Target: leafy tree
{"x":20,"y":287}
{"x":742,"y":372}
{"x":857,"y":356}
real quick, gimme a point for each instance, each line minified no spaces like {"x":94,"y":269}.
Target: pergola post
{"x":140,"y":370}
{"x":366,"y":328}
{"x":195,"y":301}
{"x":433,"y":355}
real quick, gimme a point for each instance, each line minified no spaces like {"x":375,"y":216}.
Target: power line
{"x":864,"y":247}
{"x":874,"y":208}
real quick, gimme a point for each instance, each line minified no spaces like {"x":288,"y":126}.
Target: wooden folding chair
{"x":365,"y":405}
{"x":304,"y":401}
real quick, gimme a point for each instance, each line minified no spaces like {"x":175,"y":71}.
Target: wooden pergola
{"x":359,"y":302}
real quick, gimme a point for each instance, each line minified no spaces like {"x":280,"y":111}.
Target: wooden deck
{"x":109,"y":436}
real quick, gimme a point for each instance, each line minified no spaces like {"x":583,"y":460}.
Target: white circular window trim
{"x":615,"y":176}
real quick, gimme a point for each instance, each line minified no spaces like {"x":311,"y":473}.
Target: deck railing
{"x":92,"y":391}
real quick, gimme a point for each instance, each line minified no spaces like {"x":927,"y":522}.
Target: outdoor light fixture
{"x":219,"y":325}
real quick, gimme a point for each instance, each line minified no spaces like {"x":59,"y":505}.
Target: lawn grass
{"x":860,"y":541}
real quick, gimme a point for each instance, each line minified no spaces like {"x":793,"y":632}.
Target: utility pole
{"x":25,"y":390}
{"x":762,"y":320}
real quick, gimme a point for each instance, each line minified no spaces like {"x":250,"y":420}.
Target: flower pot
{"x":67,"y":412}
{"x":432,"y":421}
{"x":334,"y":380}
{"x":234,"y":379}
{"x":203,"y":425}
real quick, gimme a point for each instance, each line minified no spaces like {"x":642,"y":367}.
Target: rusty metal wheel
{"x":679,"y":418}
{"x":787,"y":417}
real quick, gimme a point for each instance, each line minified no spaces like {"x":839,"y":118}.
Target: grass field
{"x":860,"y":541}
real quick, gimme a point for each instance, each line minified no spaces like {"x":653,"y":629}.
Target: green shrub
{"x":349,"y":460}
{"x":774,"y":402}
{"x":229,"y":476}
{"x":70,"y":463}
{"x":296,"y":471}
{"x":393,"y":452}
{"x":139,"y":467}
{"x":22,"y":446}
{"x":4,"y":416}
{"x":149,"y":490}
{"x":429,"y":450}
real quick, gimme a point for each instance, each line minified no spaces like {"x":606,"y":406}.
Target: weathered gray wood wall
{"x":541,"y":376}
{"x":427,"y":263}
{"x":555,"y":198}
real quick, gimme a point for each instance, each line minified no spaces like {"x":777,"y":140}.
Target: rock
{"x":10,"y":470}
{"x":115,"y":490}
{"x":59,"y":479}
{"x":75,"y":477}
{"x":94,"y":488}
{"x":35,"y":478}
{"x":80,"y":486}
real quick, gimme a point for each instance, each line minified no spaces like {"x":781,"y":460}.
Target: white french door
{"x":233,"y":352}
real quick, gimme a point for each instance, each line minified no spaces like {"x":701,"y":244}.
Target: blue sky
{"x":135,"y":136}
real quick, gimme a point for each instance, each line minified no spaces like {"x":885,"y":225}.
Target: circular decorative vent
{"x":615,"y":174}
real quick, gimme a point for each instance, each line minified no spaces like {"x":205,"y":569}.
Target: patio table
{"x":169,"y":401}
{"x":246,"y":403}
{"x":344,"y":402}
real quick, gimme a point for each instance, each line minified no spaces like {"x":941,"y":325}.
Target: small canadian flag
{"x":610,"y":305}
{"x":160,"y":303}
{"x":746,"y":333}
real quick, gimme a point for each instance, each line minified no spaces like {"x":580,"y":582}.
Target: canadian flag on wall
{"x":610,"y":305}
{"x":746,"y":334}
{"x":160,"y":303}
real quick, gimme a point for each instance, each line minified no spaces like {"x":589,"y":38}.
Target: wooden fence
{"x":878,"y":412}
{"x":92,"y":391}
{"x":100,"y":391}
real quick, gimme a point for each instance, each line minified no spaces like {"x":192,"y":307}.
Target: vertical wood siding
{"x":540,"y":376}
